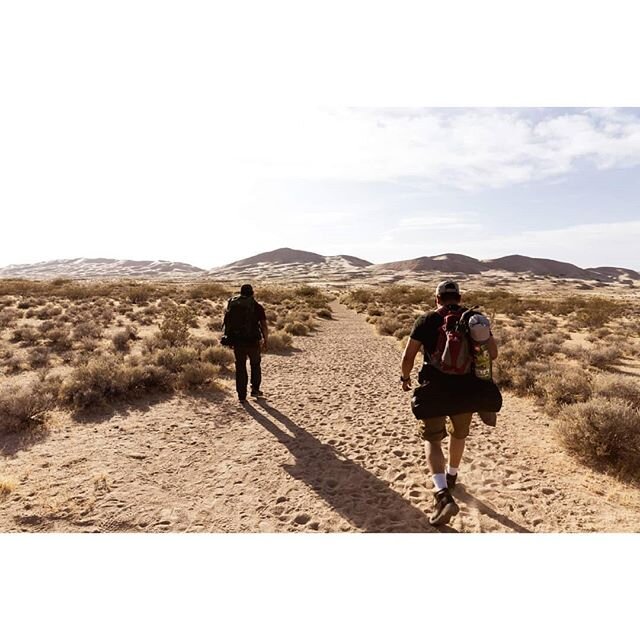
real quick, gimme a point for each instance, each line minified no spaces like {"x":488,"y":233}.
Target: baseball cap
{"x":447,"y":286}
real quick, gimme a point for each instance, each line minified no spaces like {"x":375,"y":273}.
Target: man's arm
{"x":408,"y":360}
{"x":493,"y":348}
{"x":265,"y":332}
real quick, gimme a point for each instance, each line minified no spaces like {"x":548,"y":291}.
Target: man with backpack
{"x":245,"y":328}
{"x":447,"y":378}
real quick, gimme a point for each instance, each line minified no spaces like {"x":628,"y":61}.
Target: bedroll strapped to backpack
{"x":453,"y":354}
{"x":241,"y":321}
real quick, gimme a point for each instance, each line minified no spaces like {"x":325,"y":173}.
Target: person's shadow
{"x":356,"y":494}
{"x":463,"y":495}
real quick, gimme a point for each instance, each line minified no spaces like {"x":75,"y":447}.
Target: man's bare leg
{"x":456,"y":449}
{"x":435,"y":456}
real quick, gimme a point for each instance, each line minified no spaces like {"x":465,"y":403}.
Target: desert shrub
{"x":92,"y":383}
{"x":139,"y":293}
{"x":174,"y":359}
{"x":106,"y":378}
{"x":86,"y":330}
{"x":296,"y":328}
{"x":197,"y":374}
{"x":200,"y":343}
{"x":280,"y":342}
{"x":402,"y":332}
{"x":563,"y":385}
{"x":121,"y":339}
{"x":27,"y":335}
{"x":550,"y":344}
{"x":23,"y":407}
{"x":603,"y":432}
{"x":387,"y":325}
{"x":145,"y":377}
{"x":215,"y":324}
{"x":325,"y":314}
{"x":7,"y":485}
{"x":59,"y":338}
{"x":617,"y":386}
{"x":39,"y":357}
{"x":8,"y":318}
{"x":174,"y":329}
{"x":13,"y":364}
{"x":601,"y":357}
{"x":208,"y":290}
{"x":219,"y":355}
{"x":87,"y":348}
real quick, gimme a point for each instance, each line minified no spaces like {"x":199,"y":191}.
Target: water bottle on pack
{"x":480,"y":332}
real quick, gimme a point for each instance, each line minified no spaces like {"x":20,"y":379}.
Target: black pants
{"x":241,"y":352}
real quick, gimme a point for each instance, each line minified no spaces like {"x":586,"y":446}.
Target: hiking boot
{"x":257,"y":393}
{"x":242,"y":399}
{"x":451,"y":481}
{"x":445,"y":508}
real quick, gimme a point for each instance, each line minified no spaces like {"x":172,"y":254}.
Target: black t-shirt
{"x":425,"y":329}
{"x":260,"y":314}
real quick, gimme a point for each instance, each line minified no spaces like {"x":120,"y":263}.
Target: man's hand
{"x":263,"y":345}
{"x":406,"y":385}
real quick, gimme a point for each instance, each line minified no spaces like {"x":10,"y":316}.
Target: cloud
{"x":435,"y":222}
{"x":461,"y":148}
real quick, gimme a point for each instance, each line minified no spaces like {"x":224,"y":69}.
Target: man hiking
{"x":245,"y":328}
{"x":450,"y":388}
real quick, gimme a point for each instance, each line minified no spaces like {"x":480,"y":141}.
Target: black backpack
{"x":241,"y":320}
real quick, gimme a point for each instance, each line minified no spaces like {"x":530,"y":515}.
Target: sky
{"x":116,"y":144}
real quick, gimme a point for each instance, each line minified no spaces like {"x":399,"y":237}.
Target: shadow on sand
{"x":11,"y":442}
{"x":367,"y":502}
{"x":463,"y":495}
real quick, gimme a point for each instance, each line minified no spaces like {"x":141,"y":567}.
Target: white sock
{"x":452,"y":471}
{"x":440,"y":481}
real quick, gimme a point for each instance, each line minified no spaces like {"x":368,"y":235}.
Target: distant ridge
{"x":280,"y":256}
{"x":446,"y":262}
{"x":297,"y":266}
{"x":539,"y":267}
{"x":100,"y":268}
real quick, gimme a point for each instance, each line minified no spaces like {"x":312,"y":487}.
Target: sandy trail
{"x":334,"y":448}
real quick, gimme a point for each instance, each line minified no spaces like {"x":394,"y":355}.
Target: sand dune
{"x":100,"y":268}
{"x":333,"y":448}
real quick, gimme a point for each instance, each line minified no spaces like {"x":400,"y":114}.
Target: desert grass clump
{"x":59,"y":338}
{"x":174,"y":359}
{"x":604,"y":433}
{"x":7,"y":485}
{"x":563,"y":385}
{"x":280,"y":342}
{"x":197,"y":374}
{"x":27,"y":335}
{"x":87,"y":329}
{"x":387,"y":325}
{"x":325,"y":314}
{"x":296,"y":328}
{"x":617,"y":386}
{"x":601,"y":357}
{"x":39,"y":357}
{"x":218,"y":355}
{"x":121,"y":340}
{"x":109,"y":378}
{"x":23,"y":407}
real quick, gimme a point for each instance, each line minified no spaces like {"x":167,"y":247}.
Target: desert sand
{"x":332,"y":448}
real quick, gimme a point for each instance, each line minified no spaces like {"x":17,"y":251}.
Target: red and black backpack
{"x":453,"y":354}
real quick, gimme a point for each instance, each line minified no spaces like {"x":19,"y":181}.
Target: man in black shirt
{"x":245,"y":323}
{"x":425,"y":336}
